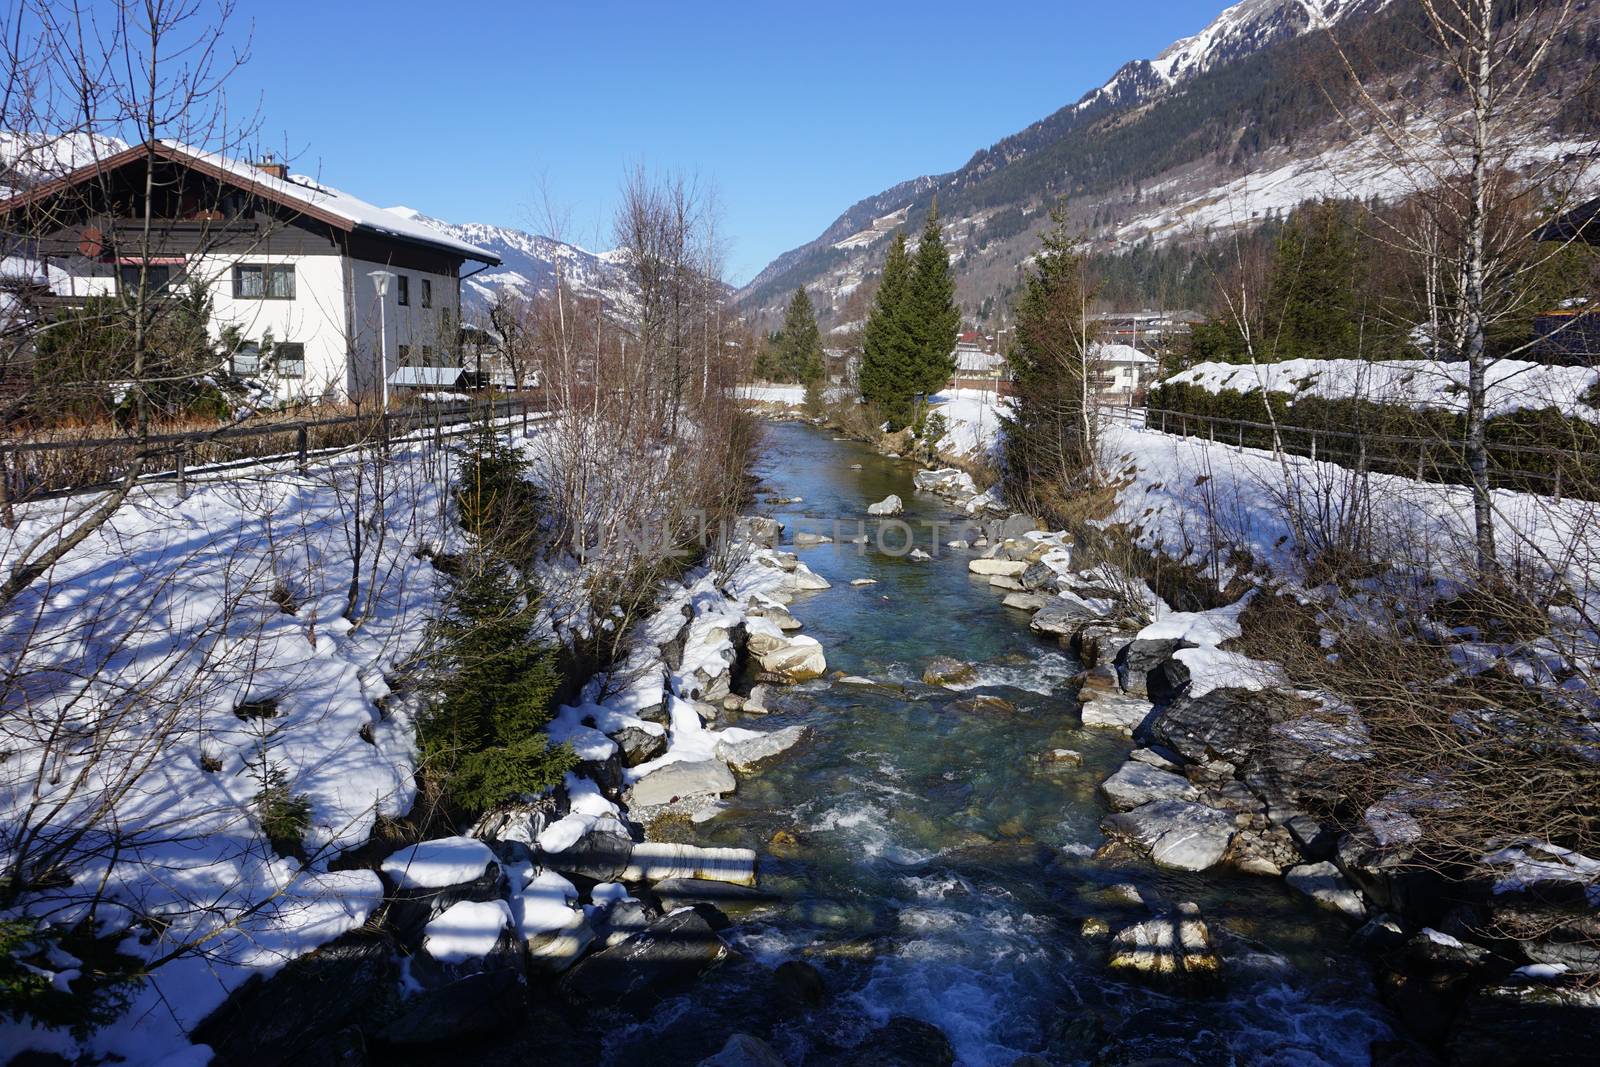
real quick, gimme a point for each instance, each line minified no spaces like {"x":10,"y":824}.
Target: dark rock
{"x":1148,"y":669}
{"x":484,"y":1003}
{"x":664,"y":959}
{"x":275,"y":1020}
{"x":606,"y":773}
{"x":675,"y":893}
{"x":743,"y":1050}
{"x":1224,"y":724}
{"x":903,"y":1042}
{"x":620,"y":921}
{"x":347,"y":1048}
{"x":797,"y":987}
{"x":601,"y":854}
{"x":639,"y":746}
{"x":942,"y":670}
{"x":1513,"y":1026}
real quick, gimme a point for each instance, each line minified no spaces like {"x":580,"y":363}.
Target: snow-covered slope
{"x":528,"y":263}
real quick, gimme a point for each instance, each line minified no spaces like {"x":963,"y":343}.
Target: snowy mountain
{"x":1246,"y":27}
{"x":528,"y":264}
{"x":1225,"y":129}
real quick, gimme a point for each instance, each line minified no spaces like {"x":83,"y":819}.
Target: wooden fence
{"x":40,"y":469}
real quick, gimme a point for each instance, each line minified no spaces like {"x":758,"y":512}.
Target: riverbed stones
{"x":638,"y":745}
{"x":601,"y":853}
{"x":1115,"y":711}
{"x":1006,"y":582}
{"x":1172,"y":951}
{"x":942,"y":670}
{"x":1323,"y":883}
{"x":889,"y":505}
{"x":1148,"y":669}
{"x":902,"y":1042}
{"x":804,"y":580}
{"x":678,"y":781}
{"x":1178,"y":834}
{"x":744,"y":755}
{"x":806,"y":539}
{"x":1137,"y":783}
{"x":990,"y":567}
{"x":1061,"y":757}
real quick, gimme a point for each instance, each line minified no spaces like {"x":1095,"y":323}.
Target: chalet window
{"x":290,"y":359}
{"x":254,"y":281}
{"x":403,"y":355}
{"x":427,"y":292}
{"x":245,"y":362}
{"x":427,"y":355}
{"x":158,"y":278}
{"x":404,"y":290}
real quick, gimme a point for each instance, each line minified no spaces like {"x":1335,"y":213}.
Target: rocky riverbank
{"x":1493,"y":965}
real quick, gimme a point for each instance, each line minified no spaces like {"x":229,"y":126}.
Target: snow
{"x":587,"y":806}
{"x":466,"y":930}
{"x":790,"y":395}
{"x":1532,"y":863}
{"x":1513,"y":385}
{"x":972,"y":421}
{"x":438,"y":864}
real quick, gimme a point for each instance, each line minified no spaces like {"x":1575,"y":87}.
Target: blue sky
{"x":793,"y":111}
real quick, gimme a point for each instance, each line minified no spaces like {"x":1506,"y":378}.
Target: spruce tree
{"x":931,"y":316}
{"x":800,"y":351}
{"x":1313,"y":303}
{"x":887,"y":374}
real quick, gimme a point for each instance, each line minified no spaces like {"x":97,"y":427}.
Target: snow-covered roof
{"x":1119,"y":353}
{"x":297,"y":192}
{"x":984,"y":362}
{"x":426,"y":377}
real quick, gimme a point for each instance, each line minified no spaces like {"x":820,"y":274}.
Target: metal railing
{"x":1572,"y":472}
{"x":33,"y":470}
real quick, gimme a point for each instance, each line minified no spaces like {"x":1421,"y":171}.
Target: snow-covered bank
{"x":1435,"y":385}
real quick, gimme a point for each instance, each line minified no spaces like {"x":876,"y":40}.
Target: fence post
{"x":183,"y":474}
{"x":302,"y":443}
{"x":1558,"y":477}
{"x":1313,"y":446}
{"x":6,"y":515}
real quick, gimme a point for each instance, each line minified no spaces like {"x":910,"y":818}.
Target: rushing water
{"x":937,"y":870}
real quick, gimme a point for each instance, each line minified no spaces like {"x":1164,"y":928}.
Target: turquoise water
{"x":930,"y":866}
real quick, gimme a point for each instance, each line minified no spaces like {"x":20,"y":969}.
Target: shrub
{"x":285,"y":815}
{"x":31,"y":952}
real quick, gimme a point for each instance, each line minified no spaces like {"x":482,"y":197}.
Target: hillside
{"x":1224,"y":129}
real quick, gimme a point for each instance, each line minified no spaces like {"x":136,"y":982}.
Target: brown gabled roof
{"x":312,"y":201}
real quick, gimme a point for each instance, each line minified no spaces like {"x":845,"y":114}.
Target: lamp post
{"x":380,"y":283}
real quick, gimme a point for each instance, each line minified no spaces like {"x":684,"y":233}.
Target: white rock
{"x":466,"y":930}
{"x":655,"y":861}
{"x":799,"y":660}
{"x":743,"y":754}
{"x":1138,"y":783}
{"x":918,"y":554}
{"x":1008,"y":567}
{"x":1178,"y":834}
{"x":889,"y":505}
{"x":680,"y":780}
{"x":863,"y":581}
{"x":1324,"y":883}
{"x":803,"y":580}
{"x":1115,"y":711}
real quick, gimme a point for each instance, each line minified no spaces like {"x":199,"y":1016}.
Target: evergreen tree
{"x":932,"y":319}
{"x":800,"y":347}
{"x":1049,"y":428}
{"x":1313,"y":306}
{"x":887,"y":375}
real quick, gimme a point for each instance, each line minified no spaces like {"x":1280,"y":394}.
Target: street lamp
{"x":380,"y":283}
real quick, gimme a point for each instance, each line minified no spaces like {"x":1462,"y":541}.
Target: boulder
{"x":1038,"y":577}
{"x":776,"y":614}
{"x":1178,"y":834}
{"x":757,"y":529}
{"x":1323,"y":883}
{"x":656,"y":861}
{"x":1115,"y":711}
{"x":1148,"y":669}
{"x":1062,"y":615}
{"x":483,"y":1003}
{"x":804,"y":580}
{"x":743,"y":1050}
{"x":662,"y":960}
{"x":1001,"y":581}
{"x":1173,"y":952}
{"x":1025,"y":601}
{"x":675,"y":893}
{"x":889,"y":505}
{"x":798,"y":987}
{"x":676,"y":781}
{"x":800,"y":659}
{"x":1224,"y":724}
{"x":863,"y":581}
{"x":1511,"y":1025}
{"x":1137,"y":783}
{"x":902,"y":1042}
{"x":1014,"y":526}
{"x":1158,"y":757}
{"x":942,"y":670}
{"x":637,"y":745}
{"x":620,"y":920}
{"x":1061,"y":757}
{"x":744,"y":755}
{"x":991,"y":567}
{"x":806,"y":539}
{"x":601,"y":853}
{"x":272,"y":1021}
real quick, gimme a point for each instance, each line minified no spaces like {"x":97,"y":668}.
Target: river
{"x":938,"y":870}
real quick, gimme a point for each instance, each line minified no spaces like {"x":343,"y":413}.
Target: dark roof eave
{"x":388,"y":235}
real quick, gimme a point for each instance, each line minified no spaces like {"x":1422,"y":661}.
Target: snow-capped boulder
{"x":1062,"y":614}
{"x":799,"y":659}
{"x":1009,"y":568}
{"x":438,"y":864}
{"x":744,"y":753}
{"x":600,"y":853}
